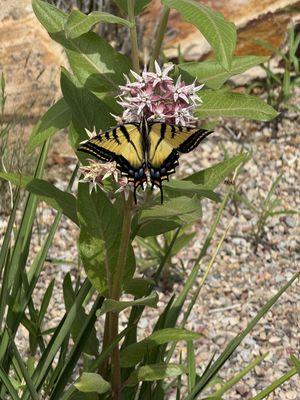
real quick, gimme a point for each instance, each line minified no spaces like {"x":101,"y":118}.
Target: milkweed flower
{"x":155,"y":96}
{"x":95,"y":173}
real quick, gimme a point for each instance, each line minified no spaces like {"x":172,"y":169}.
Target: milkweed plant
{"x":109,"y":103}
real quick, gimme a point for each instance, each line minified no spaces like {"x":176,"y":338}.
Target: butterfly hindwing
{"x":122,"y":144}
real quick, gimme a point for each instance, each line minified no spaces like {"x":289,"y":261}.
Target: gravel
{"x":241,"y":281}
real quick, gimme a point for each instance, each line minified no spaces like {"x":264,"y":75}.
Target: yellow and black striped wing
{"x":122,"y":144}
{"x":166,"y":142}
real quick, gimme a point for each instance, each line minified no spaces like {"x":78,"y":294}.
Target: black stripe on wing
{"x":192,"y":142}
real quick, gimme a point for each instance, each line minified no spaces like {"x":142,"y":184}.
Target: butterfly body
{"x":145,"y":148}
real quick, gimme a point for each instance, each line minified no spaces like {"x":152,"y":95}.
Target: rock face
{"x":29,"y":60}
{"x":267,"y":20}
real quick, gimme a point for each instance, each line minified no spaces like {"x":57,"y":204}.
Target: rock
{"x":30,"y":61}
{"x":290,"y":222}
{"x":265,"y":20}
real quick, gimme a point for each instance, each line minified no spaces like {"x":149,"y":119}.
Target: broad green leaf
{"x":91,"y":342}
{"x":219,"y":33}
{"x":88,"y":112}
{"x":185,"y":187}
{"x":111,"y":305}
{"x":134,"y":353}
{"x":213,"y":75}
{"x":56,"y":198}
{"x":234,"y":343}
{"x":52,"y":18}
{"x":94,"y":62}
{"x":222,"y":103}
{"x":155,"y":372}
{"x":156,"y":227}
{"x":99,"y":239}
{"x":91,"y":382}
{"x":79,"y":23}
{"x":182,"y":210}
{"x":211,"y":177}
{"x":138,"y":287}
{"x":55,"y":119}
{"x":139,"y":5}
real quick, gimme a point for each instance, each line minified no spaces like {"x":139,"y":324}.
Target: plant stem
{"x":133,"y":36}
{"x":159,"y":38}
{"x":116,"y":290}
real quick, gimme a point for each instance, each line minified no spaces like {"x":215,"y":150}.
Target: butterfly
{"x":145,"y":147}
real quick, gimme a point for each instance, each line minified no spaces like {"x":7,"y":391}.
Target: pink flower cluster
{"x":155,"y":96}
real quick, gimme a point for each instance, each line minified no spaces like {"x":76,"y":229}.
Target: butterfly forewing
{"x":122,"y":144}
{"x":166,"y":142}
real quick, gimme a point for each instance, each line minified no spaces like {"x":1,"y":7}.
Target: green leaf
{"x":91,"y":382}
{"x":56,"y":118}
{"x":134,"y":353}
{"x":182,"y":210}
{"x":56,"y":198}
{"x":79,"y":23}
{"x":88,"y":112}
{"x":211,"y":177}
{"x":139,"y":5}
{"x":213,"y":75}
{"x":185,"y":187}
{"x":49,"y":16}
{"x":111,"y":305}
{"x":219,"y":33}
{"x":234,"y":343}
{"x":99,"y":239}
{"x":138,"y":287}
{"x":156,"y":227}
{"x":155,"y":372}
{"x":222,"y":103}
{"x":94,"y":62}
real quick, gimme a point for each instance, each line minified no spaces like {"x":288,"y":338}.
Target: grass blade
{"x":25,"y":373}
{"x":178,"y":303}
{"x":228,"y":385}
{"x":5,"y":379}
{"x":76,"y":351}
{"x":211,"y":372}
{"x":7,"y":237}
{"x":57,"y":339}
{"x":275,"y":384}
{"x":191,"y":365}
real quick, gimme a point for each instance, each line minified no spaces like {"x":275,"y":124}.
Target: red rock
{"x":267,"y":20}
